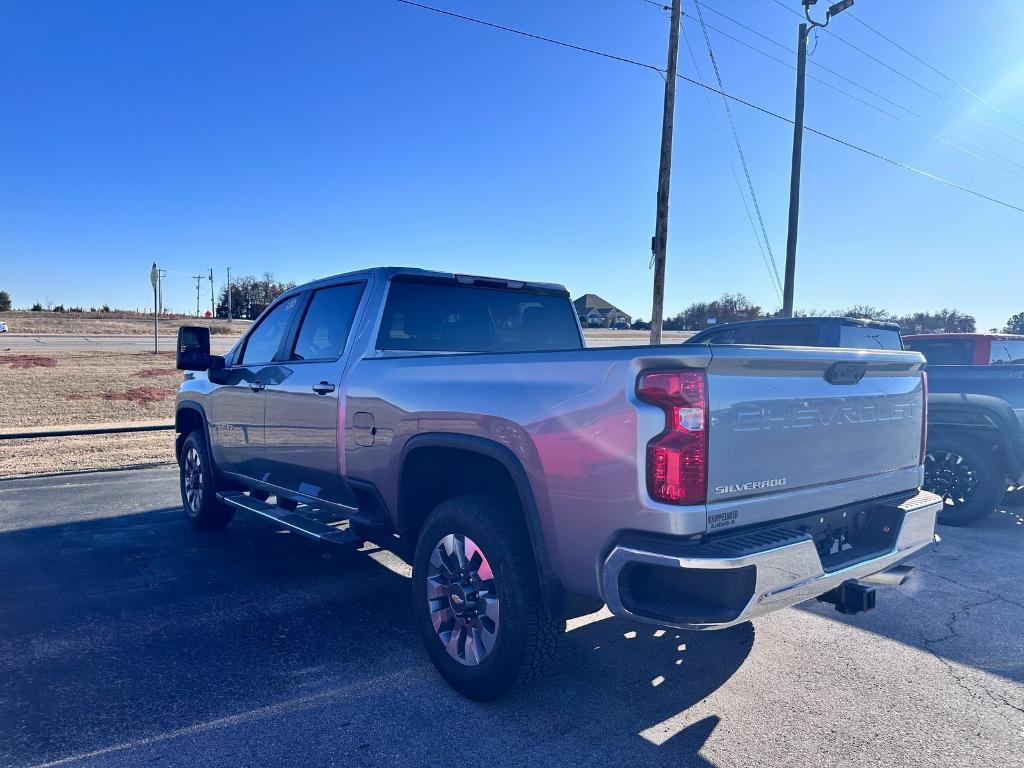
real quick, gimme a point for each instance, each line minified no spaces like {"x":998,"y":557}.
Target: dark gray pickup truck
{"x":976,"y":420}
{"x":461,"y":421}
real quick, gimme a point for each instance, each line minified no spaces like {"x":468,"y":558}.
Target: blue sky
{"x":310,"y":138}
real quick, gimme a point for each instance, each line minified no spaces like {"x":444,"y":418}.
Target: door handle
{"x":257,"y":386}
{"x":323,"y":388}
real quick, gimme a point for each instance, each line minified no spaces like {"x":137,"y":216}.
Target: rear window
{"x":866,"y":337}
{"x":788,"y":335}
{"x":448,"y":317}
{"x":944,"y":351}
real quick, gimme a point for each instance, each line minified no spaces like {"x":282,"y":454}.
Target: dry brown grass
{"x":108,"y":324}
{"x":85,"y":388}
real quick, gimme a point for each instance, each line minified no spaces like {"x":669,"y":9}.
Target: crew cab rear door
{"x":303,"y":407}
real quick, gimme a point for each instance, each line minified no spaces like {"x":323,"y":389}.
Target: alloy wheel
{"x":463,"y":599}
{"x":192,"y":473}
{"x":948,"y":474}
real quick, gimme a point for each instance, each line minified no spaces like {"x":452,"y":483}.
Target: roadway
{"x":21,"y":343}
{"x":24,"y":343}
{"x":127,"y":638}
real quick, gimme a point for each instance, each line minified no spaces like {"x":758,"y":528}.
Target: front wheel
{"x":198,"y":492}
{"x":477,"y":598}
{"x":968,"y":477}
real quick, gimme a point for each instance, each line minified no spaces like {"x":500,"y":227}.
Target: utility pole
{"x":213,"y":304}
{"x":154,"y":278}
{"x":229,"y":294}
{"x":199,"y":280}
{"x":798,"y":145}
{"x":660,"y":241}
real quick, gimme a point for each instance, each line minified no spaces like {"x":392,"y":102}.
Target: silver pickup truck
{"x":463,"y":422}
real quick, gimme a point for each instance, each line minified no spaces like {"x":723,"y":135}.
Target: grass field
{"x":67,"y":389}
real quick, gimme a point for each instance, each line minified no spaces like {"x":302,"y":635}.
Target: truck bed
{"x":783,"y":441}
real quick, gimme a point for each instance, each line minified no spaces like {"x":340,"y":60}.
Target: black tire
{"x":968,"y":475}
{"x":198,"y":487}
{"x":525,"y":636}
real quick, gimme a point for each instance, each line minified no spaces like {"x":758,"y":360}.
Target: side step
{"x":294,"y":521}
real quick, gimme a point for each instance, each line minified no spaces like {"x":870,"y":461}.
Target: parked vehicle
{"x":976,"y":420}
{"x":3,"y":327}
{"x":968,"y":348}
{"x":461,"y":421}
{"x":849,"y":332}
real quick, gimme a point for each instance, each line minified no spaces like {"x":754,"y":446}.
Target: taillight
{"x":924,"y":416}
{"x":677,"y":458}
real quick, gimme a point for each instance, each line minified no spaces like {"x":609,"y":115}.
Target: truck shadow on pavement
{"x":133,"y":638}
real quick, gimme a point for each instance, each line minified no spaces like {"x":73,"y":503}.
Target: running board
{"x":293,"y":521}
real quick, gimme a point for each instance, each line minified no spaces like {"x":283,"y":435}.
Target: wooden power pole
{"x":660,"y":240}
{"x":794,"y":176}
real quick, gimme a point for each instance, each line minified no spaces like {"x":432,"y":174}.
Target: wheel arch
{"x":982,"y":418}
{"x":437,"y":466}
{"x":189,"y":417}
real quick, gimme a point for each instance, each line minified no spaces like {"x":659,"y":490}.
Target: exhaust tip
{"x":894,"y":577}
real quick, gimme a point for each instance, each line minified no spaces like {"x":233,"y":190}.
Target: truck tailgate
{"x":799,"y":429}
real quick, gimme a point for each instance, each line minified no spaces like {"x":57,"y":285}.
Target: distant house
{"x":595,"y":312}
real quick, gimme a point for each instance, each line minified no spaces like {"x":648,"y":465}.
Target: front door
{"x":238,"y":406}
{"x":304,"y":408}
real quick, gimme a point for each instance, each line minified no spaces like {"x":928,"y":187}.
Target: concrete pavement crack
{"x":972,"y":588}
{"x":958,"y":678}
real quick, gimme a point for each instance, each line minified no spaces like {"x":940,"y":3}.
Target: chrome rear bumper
{"x":786,"y":569}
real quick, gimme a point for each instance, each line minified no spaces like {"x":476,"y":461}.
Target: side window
{"x":722,"y":337}
{"x":262,"y":344}
{"x":327,"y":323}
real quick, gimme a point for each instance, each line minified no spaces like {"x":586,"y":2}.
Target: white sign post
{"x":154,"y":278}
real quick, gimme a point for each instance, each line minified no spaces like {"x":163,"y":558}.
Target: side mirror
{"x":193,"y":351}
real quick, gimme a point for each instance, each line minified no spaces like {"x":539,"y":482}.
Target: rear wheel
{"x":966,"y":475}
{"x":198,"y":491}
{"x":477,"y":598}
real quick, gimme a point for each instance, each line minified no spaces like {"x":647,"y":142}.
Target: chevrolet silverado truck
{"x":462,"y":422}
{"x":976,"y":421}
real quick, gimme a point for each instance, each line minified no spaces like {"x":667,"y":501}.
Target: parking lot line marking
{"x":260,"y":713}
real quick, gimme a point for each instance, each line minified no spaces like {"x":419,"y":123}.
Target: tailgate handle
{"x":845,"y":373}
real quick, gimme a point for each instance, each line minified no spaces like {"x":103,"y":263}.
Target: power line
{"x":739,"y":149}
{"x":869,"y":105}
{"x":772,"y":274}
{"x":786,"y":48}
{"x":532,"y":36}
{"x":737,"y":99}
{"x":908,"y":78}
{"x":854,"y":83}
{"x":936,"y":70}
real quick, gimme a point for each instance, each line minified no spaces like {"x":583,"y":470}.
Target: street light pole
{"x":798,"y":145}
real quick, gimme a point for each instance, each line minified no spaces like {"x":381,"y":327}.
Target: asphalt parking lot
{"x":128,"y":639}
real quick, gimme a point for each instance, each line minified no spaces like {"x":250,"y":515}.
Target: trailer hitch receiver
{"x":850,"y":597}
